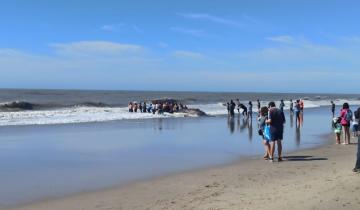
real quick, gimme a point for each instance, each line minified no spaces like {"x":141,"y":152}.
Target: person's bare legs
{"x":346,"y":134}
{"x":267,"y":149}
{"x":272,"y":149}
{"x":279,"y":144}
{"x":337,"y":138}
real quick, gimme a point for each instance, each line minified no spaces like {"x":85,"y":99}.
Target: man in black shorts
{"x":276,"y":120}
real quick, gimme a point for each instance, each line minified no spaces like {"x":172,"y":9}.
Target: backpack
{"x":348,"y":115}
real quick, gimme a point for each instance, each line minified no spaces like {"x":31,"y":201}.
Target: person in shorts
{"x":276,"y":120}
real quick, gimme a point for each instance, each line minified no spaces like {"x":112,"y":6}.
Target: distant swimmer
{"x":291,"y":107}
{"x":258,"y":106}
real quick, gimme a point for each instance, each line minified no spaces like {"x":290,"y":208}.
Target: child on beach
{"x":262,"y":119}
{"x":337,"y":128}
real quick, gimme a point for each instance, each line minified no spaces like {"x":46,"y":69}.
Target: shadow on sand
{"x":303,"y":158}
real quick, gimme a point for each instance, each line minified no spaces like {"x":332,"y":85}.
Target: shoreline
{"x":244,"y":184}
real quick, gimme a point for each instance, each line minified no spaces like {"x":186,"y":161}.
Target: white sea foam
{"x":101,"y":114}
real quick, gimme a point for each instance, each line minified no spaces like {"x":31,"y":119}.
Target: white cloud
{"x":285,"y":39}
{"x":108,"y":28}
{"x":86,"y":48}
{"x":187,"y":54}
{"x":192,"y":32}
{"x":282,"y":66}
{"x":211,"y":18}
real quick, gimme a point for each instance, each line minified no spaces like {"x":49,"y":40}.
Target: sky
{"x":187,"y":45}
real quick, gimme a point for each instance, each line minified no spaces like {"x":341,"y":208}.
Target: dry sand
{"x":311,"y":179}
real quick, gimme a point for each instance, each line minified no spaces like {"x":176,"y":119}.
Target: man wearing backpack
{"x":346,"y":117}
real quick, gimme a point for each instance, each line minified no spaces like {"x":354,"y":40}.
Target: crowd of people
{"x":271,"y":121}
{"x":156,"y":107}
{"x":342,"y":124}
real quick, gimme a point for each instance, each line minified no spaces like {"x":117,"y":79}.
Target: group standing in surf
{"x":155,"y":107}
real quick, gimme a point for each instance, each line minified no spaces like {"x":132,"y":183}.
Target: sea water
{"x":62,"y":157}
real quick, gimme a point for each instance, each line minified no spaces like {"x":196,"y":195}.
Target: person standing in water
{"x":301,"y":105}
{"x":258,"y":107}
{"x":333,"y":108}
{"x":244,"y":108}
{"x":291,"y":107}
{"x":238,"y":105}
{"x":297,"y":113}
{"x":250,"y":110}
{"x":282,"y":105}
{"x":232,"y":108}
{"x":228,"y":107}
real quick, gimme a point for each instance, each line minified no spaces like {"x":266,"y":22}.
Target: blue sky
{"x":199,"y":45}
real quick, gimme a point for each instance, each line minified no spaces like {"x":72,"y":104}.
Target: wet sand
{"x":318,"y":178}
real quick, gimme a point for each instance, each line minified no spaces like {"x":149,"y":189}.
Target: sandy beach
{"x":318,"y":178}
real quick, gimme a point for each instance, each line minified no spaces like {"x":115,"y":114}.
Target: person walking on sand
{"x":262,"y":122}
{"x":333,"y":108}
{"x":276,"y":120}
{"x":346,"y":117}
{"x":357,"y":164}
{"x":337,"y":128}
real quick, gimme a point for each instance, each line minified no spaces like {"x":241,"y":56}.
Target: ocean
{"x":41,"y":107}
{"x":71,"y":141}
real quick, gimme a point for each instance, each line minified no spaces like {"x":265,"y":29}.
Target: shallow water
{"x":46,"y":161}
